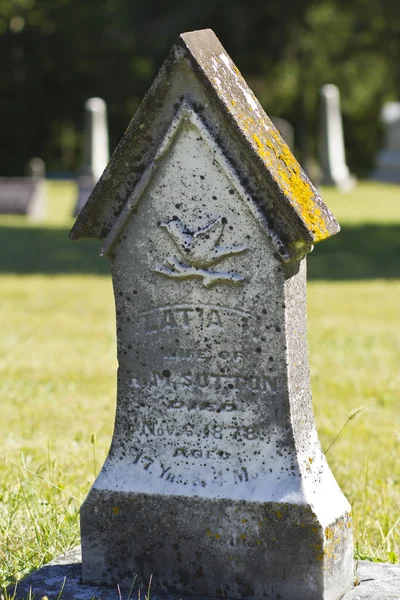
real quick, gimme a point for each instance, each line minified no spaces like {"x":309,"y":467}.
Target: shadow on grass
{"x":363,"y":252}
{"x":28,"y":250}
{"x":358,"y":252}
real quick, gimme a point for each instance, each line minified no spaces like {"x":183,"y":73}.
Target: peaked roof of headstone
{"x":199,"y":71}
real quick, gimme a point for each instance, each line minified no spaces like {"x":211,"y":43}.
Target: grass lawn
{"x":58,"y":372}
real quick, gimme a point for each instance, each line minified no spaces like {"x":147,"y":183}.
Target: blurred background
{"x":57,"y":53}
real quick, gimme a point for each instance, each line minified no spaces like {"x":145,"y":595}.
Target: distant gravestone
{"x":388,"y":159}
{"x":95,"y":149}
{"x":335,"y":172}
{"x":215,"y":483}
{"x":285,"y":129}
{"x":25,"y":195}
{"x":36,"y":168}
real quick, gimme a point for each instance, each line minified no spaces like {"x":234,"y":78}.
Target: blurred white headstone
{"x":36,"y":168}
{"x":95,"y":149}
{"x":335,"y":172}
{"x":25,"y":195}
{"x":388,"y":159}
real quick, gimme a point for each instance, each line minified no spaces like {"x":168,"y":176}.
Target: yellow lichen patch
{"x":285,"y":169}
{"x":115,"y":510}
{"x":244,"y":520}
{"x":273,"y":147}
{"x":310,"y":460}
{"x":264,"y":153}
{"x":319,"y":551}
{"x":333,"y":539}
{"x":208,"y":532}
{"x":243,"y":536}
{"x":302,"y":194}
{"x":279,"y":514}
{"x":217,"y":536}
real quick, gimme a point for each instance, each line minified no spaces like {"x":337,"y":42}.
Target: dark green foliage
{"x":56,"y":53}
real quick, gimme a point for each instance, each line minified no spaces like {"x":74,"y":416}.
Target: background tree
{"x":57,"y":53}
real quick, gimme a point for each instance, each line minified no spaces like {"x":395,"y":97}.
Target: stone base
{"x":377,"y":581}
{"x":214,"y":547}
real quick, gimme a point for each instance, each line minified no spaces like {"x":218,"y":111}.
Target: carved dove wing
{"x":200,"y":247}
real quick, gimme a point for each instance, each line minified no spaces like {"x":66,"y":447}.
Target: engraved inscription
{"x":210,"y":406}
{"x":168,"y":318}
{"x":200,"y":249}
{"x":214,"y":431}
{"x":145,"y":461}
{"x":200,"y":354}
{"x":236,"y":381}
{"x":212,"y":454}
{"x":241,"y":475}
{"x":213,"y":368}
{"x":173,"y":474}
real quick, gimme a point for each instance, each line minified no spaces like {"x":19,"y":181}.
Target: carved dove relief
{"x":200,"y":249}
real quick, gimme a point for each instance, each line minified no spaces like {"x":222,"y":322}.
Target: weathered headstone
{"x":285,"y":129}
{"x":25,"y":195}
{"x":215,"y":481}
{"x":331,"y":142}
{"x":95,"y":149}
{"x":388,"y":159}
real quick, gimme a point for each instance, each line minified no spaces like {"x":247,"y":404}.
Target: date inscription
{"x":211,"y":430}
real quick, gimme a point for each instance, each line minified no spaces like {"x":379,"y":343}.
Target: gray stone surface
{"x":375,"y":581}
{"x":285,"y":129}
{"x":64,"y":573}
{"x":331,"y":141}
{"x":388,"y":159}
{"x":95,"y":149}
{"x":215,"y":482}
{"x":23,"y":196}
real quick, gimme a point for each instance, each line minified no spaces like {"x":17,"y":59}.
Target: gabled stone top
{"x":199,"y":73}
